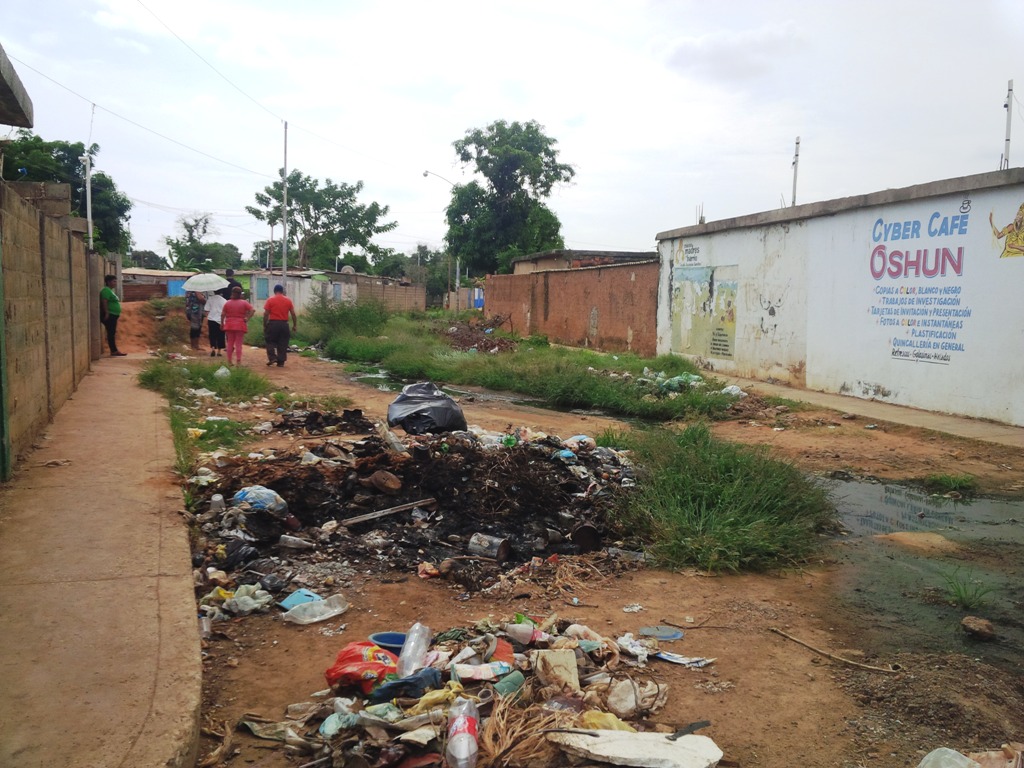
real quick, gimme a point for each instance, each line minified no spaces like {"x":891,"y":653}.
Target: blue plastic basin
{"x":389,"y":641}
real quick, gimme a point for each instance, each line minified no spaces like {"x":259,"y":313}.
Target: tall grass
{"x":332,"y":318}
{"x":414,"y":348}
{"x":718,"y":506}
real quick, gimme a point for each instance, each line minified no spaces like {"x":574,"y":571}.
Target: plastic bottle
{"x":217,"y":503}
{"x":414,"y":651}
{"x":462,"y":725}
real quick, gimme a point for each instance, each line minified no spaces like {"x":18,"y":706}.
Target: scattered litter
{"x":734,"y":390}
{"x":632,"y":608}
{"x":55,"y":463}
{"x":695,"y":662}
{"x":870,"y":426}
{"x":661,"y":632}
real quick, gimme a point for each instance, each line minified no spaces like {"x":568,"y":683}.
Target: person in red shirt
{"x":235,"y":321}
{"x":276,"y":333}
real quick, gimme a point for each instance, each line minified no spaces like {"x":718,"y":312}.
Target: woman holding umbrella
{"x":196,"y":288}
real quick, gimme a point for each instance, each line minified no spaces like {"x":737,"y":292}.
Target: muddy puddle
{"x":907,"y":558}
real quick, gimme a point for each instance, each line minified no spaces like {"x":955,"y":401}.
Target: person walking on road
{"x":214,"y":308}
{"x":194,"y":301}
{"x":235,"y":318}
{"x":229,"y":275}
{"x":110,"y":312}
{"x":276,"y":334}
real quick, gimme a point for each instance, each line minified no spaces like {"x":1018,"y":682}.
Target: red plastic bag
{"x":363,"y":664}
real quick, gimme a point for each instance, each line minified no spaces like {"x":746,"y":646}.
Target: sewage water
{"x":903,"y":550}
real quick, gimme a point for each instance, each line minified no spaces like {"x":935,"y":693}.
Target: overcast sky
{"x":660,"y":106}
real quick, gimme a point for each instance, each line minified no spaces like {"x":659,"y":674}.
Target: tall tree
{"x":490,"y":223}
{"x":147,"y":260}
{"x":331,"y":211}
{"x":30,"y":158}
{"x":189,"y":251}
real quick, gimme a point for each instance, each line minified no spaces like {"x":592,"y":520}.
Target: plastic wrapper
{"x":361,"y":664}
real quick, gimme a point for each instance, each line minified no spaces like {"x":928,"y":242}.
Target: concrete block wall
{"x":611,"y":308}
{"x":49,"y":337}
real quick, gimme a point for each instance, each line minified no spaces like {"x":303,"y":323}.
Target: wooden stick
{"x":702,"y":625}
{"x":386,"y":512}
{"x":890,"y":671}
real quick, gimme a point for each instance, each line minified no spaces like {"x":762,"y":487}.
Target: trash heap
{"x":658,"y":385}
{"x":484,"y":511}
{"x":518,"y":692}
{"x":479,"y":336}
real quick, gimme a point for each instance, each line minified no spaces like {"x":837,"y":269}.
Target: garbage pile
{"x":480,"y":337}
{"x":313,"y":422}
{"x":483,"y":511}
{"x":520,"y":692}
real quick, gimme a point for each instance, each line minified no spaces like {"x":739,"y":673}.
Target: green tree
{"x":315,"y":212}
{"x":490,"y":223}
{"x":430,"y":269}
{"x":390,"y":264}
{"x":189,"y":252}
{"x":147,"y":260}
{"x":29,"y":158}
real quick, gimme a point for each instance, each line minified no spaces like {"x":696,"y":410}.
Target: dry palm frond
{"x":576,"y":574}
{"x":514,"y":735}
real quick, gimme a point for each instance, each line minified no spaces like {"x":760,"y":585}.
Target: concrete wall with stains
{"x":910,"y":296}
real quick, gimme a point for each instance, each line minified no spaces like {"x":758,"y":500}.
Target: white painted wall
{"x":913,"y":300}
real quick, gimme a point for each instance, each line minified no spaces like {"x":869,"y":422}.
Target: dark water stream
{"x":897,"y":597}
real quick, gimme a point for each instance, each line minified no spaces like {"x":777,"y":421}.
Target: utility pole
{"x":1009,"y":115}
{"x":88,"y":193}
{"x":796,"y":167}
{"x":284,"y":212}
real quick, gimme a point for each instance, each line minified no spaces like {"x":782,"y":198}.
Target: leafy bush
{"x":333,"y":318}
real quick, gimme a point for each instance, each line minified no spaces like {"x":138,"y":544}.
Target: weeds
{"x":332,"y":318}
{"x":945,"y":483}
{"x":964,"y":591}
{"x":174,"y":379}
{"x":717,"y":506}
{"x":413,"y":349}
{"x":323,"y":402}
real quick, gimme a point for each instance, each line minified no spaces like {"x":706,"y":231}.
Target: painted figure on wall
{"x":1012,"y":234}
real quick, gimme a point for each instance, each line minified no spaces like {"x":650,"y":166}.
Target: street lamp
{"x":442,"y":178}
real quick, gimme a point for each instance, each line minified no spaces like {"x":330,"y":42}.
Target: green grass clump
{"x":171,"y":331}
{"x":944,"y":483}
{"x":705,"y":503}
{"x":222,"y":434}
{"x":173,"y":378}
{"x":964,"y":591}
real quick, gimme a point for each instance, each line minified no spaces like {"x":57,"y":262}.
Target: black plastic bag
{"x":423,"y":408}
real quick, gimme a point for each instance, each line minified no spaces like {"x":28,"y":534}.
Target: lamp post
{"x":457,"y":302}
{"x":88,"y":193}
{"x":442,"y":178}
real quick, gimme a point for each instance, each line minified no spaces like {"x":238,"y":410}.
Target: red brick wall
{"x":612,"y":308}
{"x":143,"y":291}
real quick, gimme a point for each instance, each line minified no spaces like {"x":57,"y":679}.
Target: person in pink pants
{"x":235,"y":322}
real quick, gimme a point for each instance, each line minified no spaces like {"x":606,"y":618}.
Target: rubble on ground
{"x":479,"y":336}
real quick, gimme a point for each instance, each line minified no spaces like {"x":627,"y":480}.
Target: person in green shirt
{"x":110,"y":311}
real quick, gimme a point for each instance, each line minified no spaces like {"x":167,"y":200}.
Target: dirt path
{"x":771,"y":702}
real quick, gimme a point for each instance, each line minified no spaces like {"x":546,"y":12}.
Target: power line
{"x":207,"y":63}
{"x":139,"y":125}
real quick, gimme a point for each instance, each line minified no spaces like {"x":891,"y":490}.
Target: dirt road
{"x":771,"y":702}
